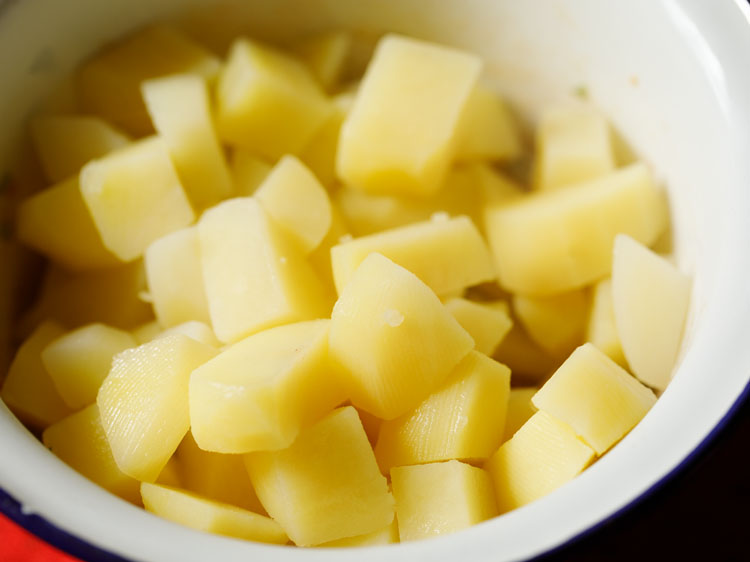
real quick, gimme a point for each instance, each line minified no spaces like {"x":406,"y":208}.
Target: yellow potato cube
{"x":259,"y":393}
{"x":28,"y":390}
{"x":293,"y":197}
{"x":79,"y":441}
{"x":386,"y":535}
{"x":596,"y":397}
{"x":79,"y":361}
{"x":175,"y":278}
{"x":255,"y":278}
{"x":487,"y":130}
{"x":555,"y":323}
{"x":409,"y":86}
{"x":180,"y":109}
{"x":135,"y":197}
{"x":267,"y":101}
{"x":560,"y":240}
{"x":218,"y":477}
{"x":542,"y":456}
{"x":248,"y":171}
{"x":464,"y":419}
{"x":600,"y":328}
{"x":651,"y":298}
{"x":440,"y":498}
{"x":572,"y":145}
{"x":210,"y":516}
{"x":57,"y":223}
{"x":64,"y":143}
{"x":193,"y":329}
{"x":325,"y":54}
{"x":109,"y":84}
{"x":520,"y":410}
{"x":446,"y":254}
{"x":394,"y":338}
{"x":143,"y":402}
{"x":327,"y":485}
{"x":487,"y":323}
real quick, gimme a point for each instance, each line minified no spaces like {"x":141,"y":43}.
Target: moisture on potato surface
{"x":290,"y":299}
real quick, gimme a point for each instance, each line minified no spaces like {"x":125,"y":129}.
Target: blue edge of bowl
{"x":83,"y":550}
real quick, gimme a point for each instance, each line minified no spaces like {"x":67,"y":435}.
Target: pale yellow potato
{"x":520,"y":409}
{"x":487,"y":130}
{"x":248,"y":171}
{"x":487,"y":323}
{"x":326,"y":55}
{"x":600,"y":327}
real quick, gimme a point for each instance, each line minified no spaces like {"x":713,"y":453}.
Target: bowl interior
{"x":670,"y":75}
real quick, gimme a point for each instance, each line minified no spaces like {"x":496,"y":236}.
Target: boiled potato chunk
{"x":487,"y":130}
{"x":464,"y":419}
{"x":65,"y":143}
{"x":600,"y":328}
{"x":259,"y":393}
{"x":556,"y":323}
{"x":218,"y":477}
{"x":327,"y":485}
{"x":79,"y":441}
{"x":572,"y":145}
{"x":267,"y":101}
{"x":210,"y":516}
{"x":409,"y":86}
{"x":561,"y":240}
{"x":143,"y":402}
{"x":175,"y":278}
{"x":520,"y":409}
{"x":394,"y":338}
{"x":255,"y":278}
{"x":446,"y":254}
{"x":28,"y":389}
{"x":596,"y":397}
{"x":651,"y":299}
{"x":135,"y":197}
{"x":57,"y":223}
{"x":180,"y":109}
{"x":294,"y":198}
{"x":109,"y":84}
{"x":542,"y":456}
{"x":248,"y":171}
{"x":386,"y":535}
{"x":487,"y":323}
{"x":326,"y":55}
{"x":440,"y":498}
{"x":193,"y":329}
{"x":79,"y":361}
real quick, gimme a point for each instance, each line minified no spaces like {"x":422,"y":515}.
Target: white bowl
{"x":673,"y":76}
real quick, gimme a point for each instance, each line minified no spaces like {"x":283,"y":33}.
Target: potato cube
{"x":556,"y":323}
{"x":409,"y":86}
{"x":267,"y":101}
{"x":175,"y":278}
{"x":293,"y":197}
{"x":394,"y":338}
{"x":143,"y":402}
{"x":487,"y":323}
{"x":327,"y":485}
{"x":79,"y":441}
{"x":65,"y":143}
{"x":446,"y":254}
{"x":180,"y":110}
{"x":651,"y":298}
{"x":560,"y":240}
{"x":600,"y":327}
{"x":255,"y":278}
{"x":596,"y":397}
{"x":259,"y":393}
{"x":203,"y":514}
{"x":57,"y":223}
{"x":440,"y":498}
{"x":542,"y":456}
{"x":487,"y":130}
{"x":572,"y":145}
{"x":464,"y":419}
{"x":109,"y":84}
{"x":79,"y":361}
{"x":28,"y":390}
{"x":248,"y":171}
{"x":325,"y":54}
{"x":520,"y":410}
{"x":135,"y":197}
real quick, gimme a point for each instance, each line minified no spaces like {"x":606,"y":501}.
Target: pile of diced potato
{"x":288,"y":308}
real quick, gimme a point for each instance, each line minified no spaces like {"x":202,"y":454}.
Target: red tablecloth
{"x":17,"y":545}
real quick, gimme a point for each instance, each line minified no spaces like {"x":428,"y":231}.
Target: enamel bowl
{"x":673,"y":77}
